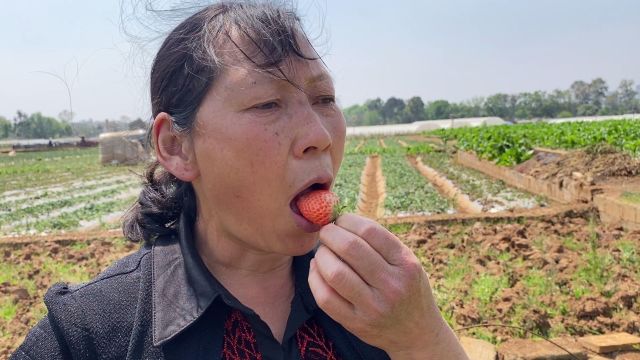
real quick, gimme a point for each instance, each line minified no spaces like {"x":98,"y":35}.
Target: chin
{"x":303,"y":244}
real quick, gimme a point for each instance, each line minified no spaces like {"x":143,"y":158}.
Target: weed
{"x":596,"y":270}
{"x":570,"y":243}
{"x":632,"y":197}
{"x":628,"y":255}
{"x":8,"y":309}
{"x":400,"y":229}
{"x":485,"y":287}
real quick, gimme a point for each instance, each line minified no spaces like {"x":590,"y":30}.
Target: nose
{"x":314,"y":133}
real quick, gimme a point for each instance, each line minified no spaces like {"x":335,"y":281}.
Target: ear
{"x":174,"y":151}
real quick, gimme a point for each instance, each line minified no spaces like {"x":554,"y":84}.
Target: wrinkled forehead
{"x":281,"y":57}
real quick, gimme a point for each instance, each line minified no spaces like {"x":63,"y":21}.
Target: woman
{"x":245,"y":121}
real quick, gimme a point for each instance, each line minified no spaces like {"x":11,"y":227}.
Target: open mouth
{"x":312,"y":187}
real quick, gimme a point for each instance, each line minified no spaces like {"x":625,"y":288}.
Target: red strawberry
{"x":319,"y":206}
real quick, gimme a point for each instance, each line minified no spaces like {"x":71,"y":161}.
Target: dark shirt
{"x":162,"y":303}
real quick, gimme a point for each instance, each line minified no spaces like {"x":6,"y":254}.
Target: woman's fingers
{"x":356,"y":252}
{"x":341,"y":277}
{"x":380,"y":239}
{"x":326,"y":297}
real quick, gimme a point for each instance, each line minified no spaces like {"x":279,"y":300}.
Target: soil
{"x":372,"y":189}
{"x":445,"y":187}
{"x":30,"y":259}
{"x":595,"y":166}
{"x":556,"y":247}
{"x":532,"y":244}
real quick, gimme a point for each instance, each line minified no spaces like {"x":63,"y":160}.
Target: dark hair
{"x":183,"y":71}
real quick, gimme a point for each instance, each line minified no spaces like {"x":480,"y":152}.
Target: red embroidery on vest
{"x":313,"y":344}
{"x":239,"y":339}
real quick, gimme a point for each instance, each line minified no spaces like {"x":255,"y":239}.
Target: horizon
{"x":372,"y":49}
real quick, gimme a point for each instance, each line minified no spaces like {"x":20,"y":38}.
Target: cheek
{"x":240,"y":156}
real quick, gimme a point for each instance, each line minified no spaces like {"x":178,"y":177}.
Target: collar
{"x":183,"y":288}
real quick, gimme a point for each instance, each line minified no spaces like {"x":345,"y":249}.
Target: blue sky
{"x":454,"y":49}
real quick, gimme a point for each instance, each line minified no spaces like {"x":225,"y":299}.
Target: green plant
{"x":486,"y":286}
{"x":512,"y":144}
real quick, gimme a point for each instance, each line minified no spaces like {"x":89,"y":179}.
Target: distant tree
{"x":5,"y":128}
{"x":467,"y":109}
{"x":439,"y":109}
{"x":374,"y":105}
{"x":598,"y":92}
{"x":137,"y":124}
{"x":501,"y":105}
{"x":38,"y":126}
{"x":392,"y":110}
{"x":580,"y":92}
{"x":563,"y":101}
{"x":414,"y":111}
{"x":628,"y":97}
{"x":372,"y":118}
{"x":587,"y":110}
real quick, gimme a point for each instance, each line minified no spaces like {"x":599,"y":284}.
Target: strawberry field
{"x":496,"y":253}
{"x":64,"y":190}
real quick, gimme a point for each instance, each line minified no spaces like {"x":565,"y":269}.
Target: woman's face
{"x":259,"y":142}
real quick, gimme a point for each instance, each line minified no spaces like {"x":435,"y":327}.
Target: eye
{"x":270,"y":105}
{"x":327,"y":100}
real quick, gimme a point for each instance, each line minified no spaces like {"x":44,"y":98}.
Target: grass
{"x":26,"y":170}
{"x":628,"y":257}
{"x":631,"y":197}
{"x":8,"y":309}
{"x":485,"y":287}
{"x":400,"y":229}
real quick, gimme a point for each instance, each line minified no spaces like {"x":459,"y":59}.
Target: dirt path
{"x":372,"y":189}
{"x":446,"y":187}
{"x":382,"y":143}
{"x":403,"y":144}
{"x":70,"y":237}
{"x":573,"y":210}
{"x":359,"y":146}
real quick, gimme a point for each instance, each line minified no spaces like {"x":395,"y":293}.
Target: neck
{"x":248,"y":273}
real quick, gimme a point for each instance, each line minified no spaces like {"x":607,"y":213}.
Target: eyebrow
{"x":317,"y":79}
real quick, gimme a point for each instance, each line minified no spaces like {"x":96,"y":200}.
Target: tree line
{"x":38,"y":126}
{"x":580,"y":99}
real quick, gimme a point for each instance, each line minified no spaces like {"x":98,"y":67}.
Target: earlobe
{"x":174,"y":150}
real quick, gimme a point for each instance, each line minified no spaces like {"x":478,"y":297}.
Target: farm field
{"x":495,"y":253}
{"x":62,"y":190}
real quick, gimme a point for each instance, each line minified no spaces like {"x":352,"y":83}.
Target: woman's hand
{"x":373,"y":285}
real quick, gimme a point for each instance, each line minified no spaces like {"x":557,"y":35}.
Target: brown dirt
{"x":553,"y":244}
{"x":382,"y":143}
{"x":372,"y":189}
{"x":445,"y":187}
{"x":515,"y":215}
{"x":403,"y":144}
{"x":14,"y":241}
{"x":595,"y":166}
{"x":33,"y":264}
{"x":557,"y":248}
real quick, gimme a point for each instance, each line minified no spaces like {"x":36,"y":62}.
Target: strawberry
{"x":319,"y":206}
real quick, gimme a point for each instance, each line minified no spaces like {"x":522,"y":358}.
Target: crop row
{"x":51,"y":169}
{"x":73,"y":219}
{"x":407,"y":192}
{"x":512,"y":144}
{"x":33,"y":197}
{"x":347,"y":184}
{"x":493,"y":195}
{"x":44,"y":210}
